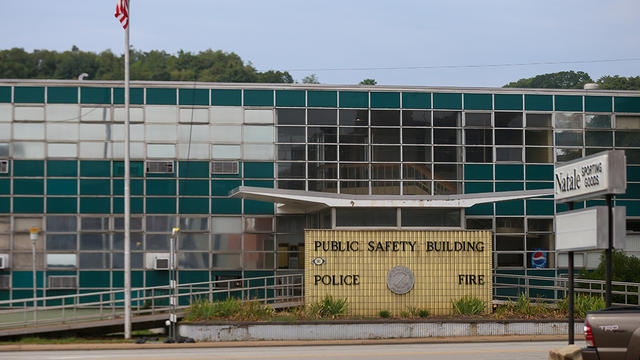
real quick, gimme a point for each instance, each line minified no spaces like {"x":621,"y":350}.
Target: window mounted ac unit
{"x":4,"y":166}
{"x":4,"y":261}
{"x":224,"y":167}
{"x":159,"y":167}
{"x":157,"y":261}
{"x":63,"y":282}
{"x":161,"y":264}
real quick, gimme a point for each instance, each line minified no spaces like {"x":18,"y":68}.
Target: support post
{"x":571,"y":314}
{"x":608,"y":254}
{"x":127,"y":193}
{"x":34,"y":239}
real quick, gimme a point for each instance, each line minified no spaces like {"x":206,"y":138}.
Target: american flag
{"x":122,"y":12}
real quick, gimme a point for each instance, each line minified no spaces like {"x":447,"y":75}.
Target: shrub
{"x":419,"y":312}
{"x":328,"y":307}
{"x":524,"y":307}
{"x":385,"y":314}
{"x":582,"y":304}
{"x":468,"y":305}
{"x":231,"y":308}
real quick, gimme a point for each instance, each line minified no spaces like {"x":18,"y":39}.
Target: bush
{"x":468,"y":305}
{"x":419,"y":312}
{"x":328,"y":307}
{"x":231,"y":309}
{"x":582,"y":304}
{"x":524,"y":307}
{"x":385,"y":314}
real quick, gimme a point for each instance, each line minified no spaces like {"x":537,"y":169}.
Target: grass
{"x":328,"y":307}
{"x":582,"y":304}
{"x":229,"y":309}
{"x":468,"y":305}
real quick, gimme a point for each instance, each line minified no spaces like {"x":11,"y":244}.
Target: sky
{"x":401,"y":42}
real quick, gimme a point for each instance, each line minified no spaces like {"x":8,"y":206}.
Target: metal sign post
{"x":173,"y":285}
{"x":34,"y":239}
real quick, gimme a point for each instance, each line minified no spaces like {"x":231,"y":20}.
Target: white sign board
{"x":588,"y":229}
{"x":598,"y":174}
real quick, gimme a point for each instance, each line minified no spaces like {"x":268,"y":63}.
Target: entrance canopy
{"x":300,"y":201}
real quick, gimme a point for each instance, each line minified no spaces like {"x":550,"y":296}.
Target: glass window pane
{"x":193,"y":260}
{"x":291,"y":152}
{"x":416,"y":171}
{"x":62,"y":132}
{"x":366,"y":217}
{"x":59,"y":150}
{"x":540,"y":225}
{"x":416,"y":135}
{"x":134,"y":224}
{"x":508,"y":119}
{"x":161,"y":151}
{"x":25,"y":131}
{"x":94,"y":241}
{"x":135,"y":241}
{"x":95,"y":260}
{"x":225,"y":134}
{"x":323,"y":186}
{"x":597,"y":121}
{"x":509,"y":242}
{"x":568,"y":120}
{"x":4,"y":150}
{"x":447,"y":118}
{"x":28,"y":150}
{"x":416,"y":153}
{"x":160,"y":223}
{"x":291,"y":134}
{"x":193,"y":241}
{"x":322,"y":134}
{"x":416,"y":187}
{"x":510,"y":260}
{"x":385,"y":187}
{"x":290,"y":116}
{"x":385,"y":118}
{"x":385,"y":171}
{"x":598,"y":138}
{"x":354,"y":171}
{"x":98,"y":132}
{"x":61,"y":223}
{"x":226,"y":115}
{"x":446,"y":187}
{"x":509,"y":154}
{"x":136,"y":261}
{"x":627,"y":138}
{"x":226,"y":242}
{"x":291,"y":170}
{"x":61,"y":242}
{"x":354,"y":187}
{"x":322,"y":152}
{"x":354,"y":135}
{"x":385,"y":153}
{"x":478,"y":119}
{"x":354,"y":117}
{"x":447,"y":172}
{"x":322,"y":116}
{"x":385,"y":136}
{"x":510,"y":225}
{"x":538,"y":155}
{"x":61,"y":260}
{"x":258,"y":242}
{"x":538,"y":137}
{"x":446,"y":136}
{"x":258,"y":224}
{"x":354,"y":153}
{"x":479,"y":224}
{"x":568,"y":154}
{"x":258,"y":134}
{"x":431,"y":217}
{"x":225,"y":152}
{"x":478,"y":136}
{"x":258,"y":152}
{"x":226,"y":261}
{"x":627,"y":122}
{"x":539,"y":120}
{"x":226,"y":225}
{"x":258,"y":116}
{"x":157,"y":242}
{"x":479,"y":154}
{"x":24,"y":224}
{"x":290,"y":184}
{"x":416,"y":118}
{"x":447,"y":154}
{"x":568,"y":138}
{"x":322,"y":170}
{"x":508,"y":137}
{"x":194,"y":224}
{"x":539,"y":242}
{"x":94,"y":223}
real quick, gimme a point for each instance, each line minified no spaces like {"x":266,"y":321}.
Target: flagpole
{"x":127,"y":189}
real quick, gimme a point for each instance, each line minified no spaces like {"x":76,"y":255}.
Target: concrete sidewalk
{"x":158,"y":345}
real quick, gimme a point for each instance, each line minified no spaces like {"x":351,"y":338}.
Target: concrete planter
{"x":363,"y":330}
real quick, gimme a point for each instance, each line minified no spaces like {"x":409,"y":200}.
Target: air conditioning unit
{"x":157,"y":261}
{"x":4,"y":261}
{"x":159,"y":167}
{"x":63,"y":282}
{"x":4,"y":166}
{"x":225,"y":167}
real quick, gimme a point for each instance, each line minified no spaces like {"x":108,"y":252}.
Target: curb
{"x":225,"y":344}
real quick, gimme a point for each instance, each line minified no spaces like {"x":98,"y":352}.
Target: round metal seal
{"x":400,"y":280}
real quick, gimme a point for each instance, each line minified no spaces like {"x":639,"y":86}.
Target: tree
{"x":557,"y":80}
{"x":310,"y":79}
{"x":619,"y":82}
{"x":368,"y":82}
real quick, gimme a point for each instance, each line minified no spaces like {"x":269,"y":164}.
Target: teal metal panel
{"x":194,"y":187}
{"x":194,"y":205}
{"x":226,"y":97}
{"x":254,"y":207}
{"x":390,"y":100}
{"x":136,"y":96}
{"x":28,"y":168}
{"x":62,"y":187}
{"x":538,"y":102}
{"x":258,"y":98}
{"x":95,"y":168}
{"x":416,"y":100}
{"x":62,"y":95}
{"x":95,"y":95}
{"x":194,"y":96}
{"x":568,"y":103}
{"x":290,"y":98}
{"x":598,"y":104}
{"x":62,"y":205}
{"x":478,"y":102}
{"x":258,"y":170}
{"x":478,"y":172}
{"x":354,"y":99}
{"x":163,"y":205}
{"x":322,"y":98}
{"x":627,"y":104}
{"x":62,"y":168}
{"x":28,"y":94}
{"x":220,"y":206}
{"x":193,"y":169}
{"x":161,"y":96}
{"x":507,"y":101}
{"x":5,"y":94}
{"x":95,"y":205}
{"x":28,"y":205}
{"x":451,"y":101}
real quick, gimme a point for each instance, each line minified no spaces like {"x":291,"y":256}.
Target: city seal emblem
{"x":400,"y":280}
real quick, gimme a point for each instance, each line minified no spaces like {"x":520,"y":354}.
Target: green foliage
{"x":385,"y":314}
{"x":419,"y":312}
{"x":369,"y":82}
{"x":468,"y":305}
{"x":523,"y":307}
{"x":208,"y":65}
{"x":310,"y":79}
{"x":557,"y":80}
{"x":619,"y":82}
{"x":582,"y":304}
{"x":625,"y":268}
{"x":329,"y":307}
{"x":228,"y":309}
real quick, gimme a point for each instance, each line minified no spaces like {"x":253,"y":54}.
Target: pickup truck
{"x":612,"y":334}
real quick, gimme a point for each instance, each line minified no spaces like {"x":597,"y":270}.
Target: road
{"x":450,"y":351}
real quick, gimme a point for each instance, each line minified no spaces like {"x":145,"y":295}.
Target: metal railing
{"x":105,"y":305}
{"x":553,"y":289}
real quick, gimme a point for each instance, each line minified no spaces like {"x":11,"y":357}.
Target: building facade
{"x":61,"y":170}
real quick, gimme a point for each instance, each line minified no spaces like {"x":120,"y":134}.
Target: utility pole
{"x":34,"y":239}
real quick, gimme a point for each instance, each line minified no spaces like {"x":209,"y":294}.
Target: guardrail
{"x":276,"y":289}
{"x":553,"y":289}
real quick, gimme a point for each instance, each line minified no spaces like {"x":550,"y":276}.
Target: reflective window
{"x":354,"y":187}
{"x":509,"y":242}
{"x":94,"y":223}
{"x":385,"y":171}
{"x":290,"y":116}
{"x":538,"y":155}
{"x":354,"y":153}
{"x":28,"y":150}
{"x":430,"y":217}
{"x":597,"y":121}
{"x":322,"y":170}
{"x":598,"y":138}
{"x":508,"y":137}
{"x":385,"y":187}
{"x":478,"y":136}
{"x":447,"y":172}
{"x":416,"y":135}
{"x":385,"y":153}
{"x":159,"y":242}
{"x":447,"y":154}
{"x":447,"y":118}
{"x":540,"y":225}
{"x":354,"y":135}
{"x":416,"y":118}
{"x":539,"y":120}
{"x":478,"y":119}
{"x":416,"y":187}
{"x":258,"y":224}
{"x":322,"y":152}
{"x":291,"y":152}
{"x":627,"y":138}
{"x":160,"y":223}
{"x":354,"y":171}
{"x":385,"y":136}
{"x":189,"y":223}
{"x":322,"y":135}
{"x":478,"y":154}
{"x":61,"y":260}
{"x":95,"y":260}
{"x":291,"y":134}
{"x":627,"y":122}
{"x":416,"y":153}
{"x":538,"y":137}
{"x":509,"y":154}
{"x":193,"y":241}
{"x":568,"y":120}
{"x":323,"y":186}
{"x":354,"y":117}
{"x":61,"y":223}
{"x":226,"y":225}
{"x":94,"y":241}
{"x":291,"y":170}
{"x":446,"y":136}
{"x":366,"y":217}
{"x":508,"y":119}
{"x":385,"y":118}
{"x":226,"y":261}
{"x":193,"y":260}
{"x":322,"y":116}
{"x":568,"y":138}
{"x":568,"y":154}
{"x":61,"y":242}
